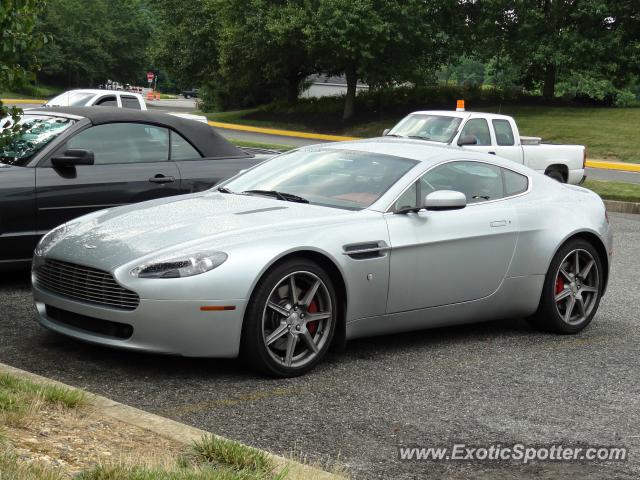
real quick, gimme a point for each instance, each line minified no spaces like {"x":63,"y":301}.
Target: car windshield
{"x":36,"y":132}
{"x":436,"y":128}
{"x":71,"y":99}
{"x":345,"y":179}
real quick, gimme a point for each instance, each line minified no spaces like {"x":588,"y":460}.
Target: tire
{"x":286,"y":335}
{"x":569,"y":303}
{"x":556,"y":175}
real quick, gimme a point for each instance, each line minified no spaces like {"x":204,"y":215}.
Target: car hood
{"x":114,"y":237}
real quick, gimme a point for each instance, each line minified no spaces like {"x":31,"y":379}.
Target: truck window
{"x":479,"y":128}
{"x":109,"y":101}
{"x":130,"y":102}
{"x":504,"y":133}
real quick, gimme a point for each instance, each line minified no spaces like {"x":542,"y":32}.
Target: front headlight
{"x":177,"y":266}
{"x":50,"y":238}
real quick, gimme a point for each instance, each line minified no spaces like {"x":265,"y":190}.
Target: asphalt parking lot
{"x":497,"y":382}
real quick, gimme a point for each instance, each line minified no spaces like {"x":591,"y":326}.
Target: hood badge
{"x":90,"y":247}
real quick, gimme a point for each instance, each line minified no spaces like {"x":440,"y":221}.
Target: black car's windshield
{"x":334,"y":178}
{"x":36,"y":132}
{"x":436,"y":128}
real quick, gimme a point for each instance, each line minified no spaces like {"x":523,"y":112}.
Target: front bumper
{"x":177,"y":327}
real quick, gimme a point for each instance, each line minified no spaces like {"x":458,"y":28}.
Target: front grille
{"x":85,"y":284}
{"x":121,"y":331}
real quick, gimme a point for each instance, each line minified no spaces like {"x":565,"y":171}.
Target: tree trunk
{"x":549,"y":88}
{"x":350,"y":100}
{"x":293,"y":89}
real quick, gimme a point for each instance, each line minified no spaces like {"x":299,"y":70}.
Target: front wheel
{"x":572,"y":289}
{"x":290,"y":319}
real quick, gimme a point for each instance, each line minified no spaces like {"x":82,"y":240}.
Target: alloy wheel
{"x":297,"y":319}
{"x":577,"y":287}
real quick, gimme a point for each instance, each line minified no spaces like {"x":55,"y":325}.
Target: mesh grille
{"x":85,"y":284}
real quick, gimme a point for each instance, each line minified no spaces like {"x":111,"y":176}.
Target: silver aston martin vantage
{"x":325,"y":244}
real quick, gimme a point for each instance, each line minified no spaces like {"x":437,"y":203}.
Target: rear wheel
{"x":572,"y":289}
{"x":290,"y":319}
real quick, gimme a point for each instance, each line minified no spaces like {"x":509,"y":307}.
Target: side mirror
{"x":73,"y":157}
{"x":445,"y":200}
{"x":467,"y":140}
{"x":385,"y":131}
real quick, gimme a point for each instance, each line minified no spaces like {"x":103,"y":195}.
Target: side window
{"x":130,"y":102}
{"x":409,"y":199}
{"x":514,"y":183}
{"x":109,"y":101}
{"x":479,"y":128}
{"x":124,"y":143}
{"x":181,"y":149}
{"x":504,"y":133}
{"x":480,"y":182}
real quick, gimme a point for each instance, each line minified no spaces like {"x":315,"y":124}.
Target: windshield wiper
{"x":393,"y":135}
{"x":224,"y":190}
{"x":419,"y":137}
{"x":287,"y":197}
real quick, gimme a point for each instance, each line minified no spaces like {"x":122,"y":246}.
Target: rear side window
{"x":479,"y":128}
{"x":504,"y":133}
{"x":124,"y":143}
{"x":109,"y":101}
{"x":480,"y":182}
{"x":514,"y":183}
{"x":130,"y":102}
{"x":181,"y":149}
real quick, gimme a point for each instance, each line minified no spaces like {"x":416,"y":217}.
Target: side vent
{"x":366,"y":250}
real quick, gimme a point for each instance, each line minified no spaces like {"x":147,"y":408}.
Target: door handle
{"x":499,"y":223}
{"x":492,"y":153}
{"x":162,"y":179}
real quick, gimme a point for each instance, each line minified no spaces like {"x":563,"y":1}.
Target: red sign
{"x":150,"y":76}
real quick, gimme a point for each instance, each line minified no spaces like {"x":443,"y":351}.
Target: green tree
{"x":551,"y":39}
{"x":18,"y":45}
{"x":382,"y":42}
{"x":96,"y":41}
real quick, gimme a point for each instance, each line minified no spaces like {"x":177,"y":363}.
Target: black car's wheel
{"x":572,"y":289}
{"x":290,"y":319}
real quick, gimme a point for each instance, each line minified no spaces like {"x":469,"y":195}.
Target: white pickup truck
{"x":497,"y":135}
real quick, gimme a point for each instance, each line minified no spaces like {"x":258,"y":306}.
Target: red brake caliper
{"x":312,"y":326}
{"x":559,"y":285}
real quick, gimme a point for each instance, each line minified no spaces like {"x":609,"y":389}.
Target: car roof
{"x":98,"y":91}
{"x":202,"y":136}
{"x":463,"y":114}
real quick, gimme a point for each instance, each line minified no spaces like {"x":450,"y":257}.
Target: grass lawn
{"x":626,"y":192}
{"x":39,"y":92}
{"x":607,"y":132}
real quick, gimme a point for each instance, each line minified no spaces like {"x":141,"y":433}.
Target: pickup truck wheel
{"x":572,"y":289}
{"x":556,"y":175}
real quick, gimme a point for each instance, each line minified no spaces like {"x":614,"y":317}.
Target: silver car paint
{"x":442,"y":268}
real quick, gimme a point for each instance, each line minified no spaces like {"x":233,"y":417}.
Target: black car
{"x":71,"y":161}
{"x":190,"y":93}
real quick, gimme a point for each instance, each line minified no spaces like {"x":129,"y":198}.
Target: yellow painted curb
{"x":282,"y":133}
{"x":628,"y":167}
{"x":29,"y":101}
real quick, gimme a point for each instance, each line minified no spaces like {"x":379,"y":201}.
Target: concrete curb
{"x":27,"y":101}
{"x":170,"y":429}
{"x":616,"y":206}
{"x":282,"y":133}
